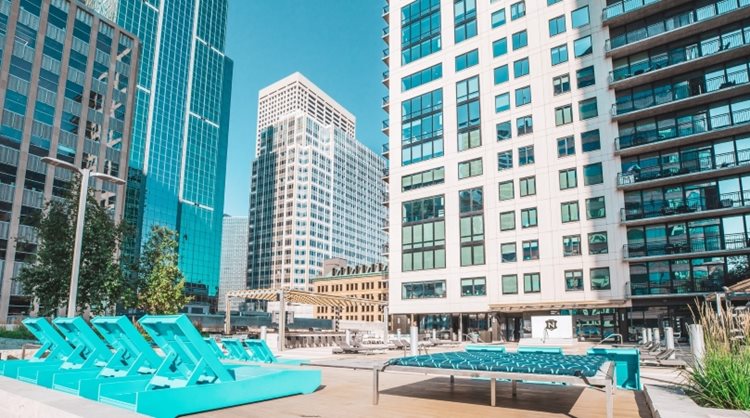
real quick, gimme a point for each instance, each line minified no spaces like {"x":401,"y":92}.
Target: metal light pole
{"x":82,"y":195}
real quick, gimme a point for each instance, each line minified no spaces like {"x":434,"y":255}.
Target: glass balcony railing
{"x":386,"y":52}
{"x":686,"y":18}
{"x":681,"y":55}
{"x":682,"y":126}
{"x":623,"y":7}
{"x":679,"y":90}
{"x":667,"y":207}
{"x":386,"y":10}
{"x":386,"y":172}
{"x":386,"y":31}
{"x":386,"y":197}
{"x":386,"y":74}
{"x":386,"y":101}
{"x":637,"y":174}
{"x":683,"y":245}
{"x":385,"y":148}
{"x":386,"y":124}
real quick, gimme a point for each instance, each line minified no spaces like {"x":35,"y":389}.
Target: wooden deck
{"x":348,"y":394}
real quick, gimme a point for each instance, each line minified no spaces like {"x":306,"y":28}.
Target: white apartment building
{"x":317,"y":192}
{"x":523,"y":165}
{"x":233,"y":273}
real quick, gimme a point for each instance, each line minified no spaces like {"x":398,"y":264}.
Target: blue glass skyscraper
{"x":178,"y":152}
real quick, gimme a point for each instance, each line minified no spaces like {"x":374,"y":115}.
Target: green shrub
{"x":722,"y":380}
{"x":20,"y":333}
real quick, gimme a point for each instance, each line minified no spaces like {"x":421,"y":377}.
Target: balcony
{"x":386,"y":225}
{"x":688,"y":22}
{"x":688,"y":128}
{"x":386,"y":199}
{"x":722,"y":48}
{"x":386,"y":12}
{"x":663,"y":98}
{"x":386,"y":103}
{"x":685,"y":169}
{"x":385,"y":250}
{"x":385,"y":150}
{"x":386,"y":78}
{"x":386,"y":34}
{"x":610,"y":13}
{"x":386,"y":56}
{"x":386,"y":174}
{"x":385,"y":127}
{"x":685,"y":208}
{"x":680,"y":246}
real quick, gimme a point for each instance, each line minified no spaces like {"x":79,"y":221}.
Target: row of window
{"x":571,"y":247}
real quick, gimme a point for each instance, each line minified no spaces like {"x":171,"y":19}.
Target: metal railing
{"x":386,"y":53}
{"x":696,"y":125}
{"x":386,"y":100}
{"x":680,"y":90}
{"x":386,"y":31}
{"x":385,"y":148}
{"x":623,"y":7}
{"x":684,"y":166}
{"x":386,"y":172}
{"x":686,"y":18}
{"x":386,"y":124}
{"x":684,"y":244}
{"x":667,"y":207}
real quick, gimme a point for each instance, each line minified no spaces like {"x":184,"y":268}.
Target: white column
{"x":282,"y":321}
{"x":263,"y":332}
{"x":644,"y":336}
{"x":414,"y":334}
{"x":697,"y":346}
{"x":657,"y":336}
{"x":669,"y":340}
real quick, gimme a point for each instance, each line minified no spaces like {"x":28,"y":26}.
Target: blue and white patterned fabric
{"x":538,"y":363}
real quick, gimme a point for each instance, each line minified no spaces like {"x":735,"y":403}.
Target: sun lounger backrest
{"x":89,"y":348}
{"x":188,"y":359}
{"x":51,"y":340}
{"x":235,"y":349}
{"x":214,"y":347}
{"x":260,"y":351}
{"x":132,"y":353}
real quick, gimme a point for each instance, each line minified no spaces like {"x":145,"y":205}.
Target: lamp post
{"x":86,"y":174}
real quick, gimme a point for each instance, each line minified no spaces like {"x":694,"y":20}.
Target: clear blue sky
{"x":334,"y":43}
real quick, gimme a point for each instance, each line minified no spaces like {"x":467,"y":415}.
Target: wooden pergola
{"x":555,"y":306}
{"x":287,"y":295}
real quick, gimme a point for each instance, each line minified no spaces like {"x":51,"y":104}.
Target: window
{"x":588,"y":108}
{"x":469,"y":139}
{"x":507,"y":221}
{"x":508,"y":252}
{"x":520,"y":40}
{"x":600,"y":279}
{"x":582,"y":46}
{"x":586,"y":77}
{"x":523,"y":96}
{"x":468,"y":113}
{"x":561,"y":84}
{"x":568,"y":179}
{"x":501,"y":74}
{"x":500,"y":47}
{"x":476,"y":286}
{"x":503,"y":131}
{"x":556,"y":25}
{"x":504,"y":160}
{"x":598,"y":243}
{"x":517,"y":10}
{"x":530,"y":250}
{"x":505,"y":190}
{"x":423,"y":179}
{"x":467,"y":60}
{"x":509,"y":284}
{"x":595,"y":208}
{"x":423,"y":290}
{"x":521,"y":68}
{"x":580,"y":17}
{"x":420,"y":30}
{"x":559,"y":54}
{"x":498,"y":18}
{"x":592,"y":174}
{"x":573,"y":280}
{"x":422,"y":77}
{"x":470,"y":168}
{"x":590,"y":141}
{"x":423,"y":234}
{"x":502,"y":102}
{"x":566,"y":146}
{"x":531,"y":283}
{"x":551,"y":2}
{"x":524,"y":125}
{"x":525,"y":155}
{"x":470,"y":200}
{"x":527,"y":186}
{"x":465,"y":19}
{"x":563,"y":115}
{"x":571,"y":245}
{"x":472,"y":240}
{"x":569,"y":211}
{"x":422,"y":127}
{"x":529,"y":218}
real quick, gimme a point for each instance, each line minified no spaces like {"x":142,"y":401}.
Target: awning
{"x":556,"y":306}
{"x":303,"y":297}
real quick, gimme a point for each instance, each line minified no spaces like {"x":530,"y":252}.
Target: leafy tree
{"x":47,"y":277}
{"x":162,"y":285}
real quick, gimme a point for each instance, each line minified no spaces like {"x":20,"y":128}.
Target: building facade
{"x":569,"y":157}
{"x":362,"y":282}
{"x":67,"y":89}
{"x":180,"y":133}
{"x":316,"y":191}
{"x":233,"y":259}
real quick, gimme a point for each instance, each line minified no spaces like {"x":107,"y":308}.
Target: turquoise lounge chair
{"x":235,"y":349}
{"x":192,"y":379}
{"x":133,"y":359}
{"x":260,"y":352}
{"x":485,"y":348}
{"x":89,"y":353}
{"x":215,"y":347}
{"x":540,"y":350}
{"x":53,"y":344}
